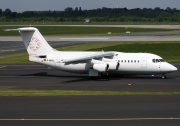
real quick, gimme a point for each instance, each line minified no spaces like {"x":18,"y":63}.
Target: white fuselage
{"x":129,"y":63}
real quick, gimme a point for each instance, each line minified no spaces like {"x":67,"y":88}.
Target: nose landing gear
{"x":163,"y":77}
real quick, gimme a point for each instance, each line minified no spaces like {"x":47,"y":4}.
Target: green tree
{"x":68,"y":9}
{"x":0,"y":12}
{"x":7,"y":12}
{"x":76,"y":9}
{"x":14,"y":15}
{"x":165,"y":14}
{"x":80,"y":10}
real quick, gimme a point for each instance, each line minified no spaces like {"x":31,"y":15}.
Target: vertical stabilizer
{"x":34,"y":41}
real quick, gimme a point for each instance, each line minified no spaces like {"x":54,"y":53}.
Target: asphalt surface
{"x":15,"y":47}
{"x":86,"y":110}
{"x":159,"y":36}
{"x":41,"y":77}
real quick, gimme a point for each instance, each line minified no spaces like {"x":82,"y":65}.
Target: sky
{"x":43,"y":5}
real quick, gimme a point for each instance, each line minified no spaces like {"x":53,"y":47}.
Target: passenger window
{"x":131,"y":61}
{"x":125,"y":61}
{"x":121,"y":61}
{"x":128,"y":61}
{"x":135,"y":61}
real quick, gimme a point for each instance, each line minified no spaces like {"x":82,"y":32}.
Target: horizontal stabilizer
{"x":21,"y":29}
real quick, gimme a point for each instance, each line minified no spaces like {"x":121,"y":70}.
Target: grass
{"x":33,"y":93}
{"x":89,"y":46}
{"x":21,"y":58}
{"x":79,"y":31}
{"x":168,"y":50}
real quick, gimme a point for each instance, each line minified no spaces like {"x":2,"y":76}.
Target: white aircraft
{"x":94,"y":63}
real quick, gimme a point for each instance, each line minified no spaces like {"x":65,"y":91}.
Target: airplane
{"x":93,"y":63}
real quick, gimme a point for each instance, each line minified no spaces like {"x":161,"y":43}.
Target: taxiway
{"x":41,"y":77}
{"x":86,"y":110}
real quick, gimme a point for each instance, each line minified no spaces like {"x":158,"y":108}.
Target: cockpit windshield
{"x":162,"y":60}
{"x":158,"y":60}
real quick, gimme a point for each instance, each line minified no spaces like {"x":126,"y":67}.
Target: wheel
{"x":105,"y":75}
{"x":164,"y":77}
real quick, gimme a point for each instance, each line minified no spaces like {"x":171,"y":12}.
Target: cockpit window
{"x":158,"y":60}
{"x":162,"y":60}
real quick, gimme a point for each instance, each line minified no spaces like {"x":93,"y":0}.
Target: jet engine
{"x":113,"y":65}
{"x":101,"y":67}
{"x":105,"y":65}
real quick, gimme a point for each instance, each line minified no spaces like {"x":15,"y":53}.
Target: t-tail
{"x":34,"y":42}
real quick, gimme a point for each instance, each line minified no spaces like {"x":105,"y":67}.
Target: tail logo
{"x":34,"y":44}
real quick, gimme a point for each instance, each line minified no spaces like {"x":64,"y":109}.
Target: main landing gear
{"x":93,"y":74}
{"x":163,"y":77}
{"x":104,"y":75}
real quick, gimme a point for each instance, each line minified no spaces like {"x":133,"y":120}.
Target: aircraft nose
{"x":173,"y":68}
{"x":168,"y":68}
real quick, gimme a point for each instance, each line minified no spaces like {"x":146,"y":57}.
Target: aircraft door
{"x":144,"y":62}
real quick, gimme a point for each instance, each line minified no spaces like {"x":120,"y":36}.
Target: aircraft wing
{"x":89,"y":57}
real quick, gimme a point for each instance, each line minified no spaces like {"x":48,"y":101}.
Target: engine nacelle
{"x":113,"y":65}
{"x":101,"y":67}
